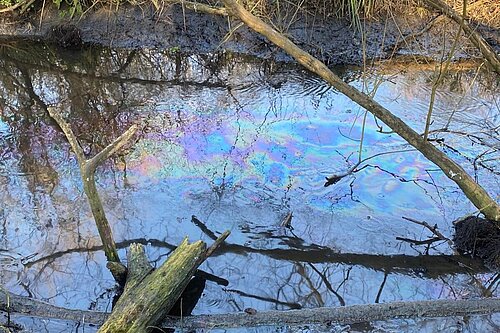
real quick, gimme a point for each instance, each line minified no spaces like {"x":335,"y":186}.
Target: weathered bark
{"x":149,"y":294}
{"x":87,"y":171}
{"x":341,"y":315}
{"x":488,"y":53}
{"x":149,"y":297}
{"x":476,"y":194}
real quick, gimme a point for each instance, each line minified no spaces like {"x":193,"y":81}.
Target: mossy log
{"x":149,"y":295}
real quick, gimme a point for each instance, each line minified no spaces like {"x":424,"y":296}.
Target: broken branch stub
{"x":151,"y":295}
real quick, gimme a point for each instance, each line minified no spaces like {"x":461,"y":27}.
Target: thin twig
{"x":432,"y":229}
{"x":336,"y":177}
{"x":443,"y":72}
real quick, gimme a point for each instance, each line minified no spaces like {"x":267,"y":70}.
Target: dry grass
{"x":286,"y":11}
{"x":483,"y":11}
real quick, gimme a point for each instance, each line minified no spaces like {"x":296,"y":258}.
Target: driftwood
{"x":87,"y":173}
{"x":476,"y":194}
{"x":340,"y":315}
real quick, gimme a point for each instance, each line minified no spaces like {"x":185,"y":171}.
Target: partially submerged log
{"x":148,"y":297}
{"x":149,"y":294}
{"x":337,"y":315}
{"x":342,"y":315}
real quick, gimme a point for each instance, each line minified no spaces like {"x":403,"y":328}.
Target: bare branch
{"x":432,"y":229}
{"x":112,"y":148}
{"x":73,"y":141}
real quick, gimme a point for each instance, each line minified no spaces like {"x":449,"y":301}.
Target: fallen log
{"x":341,"y":315}
{"x":336,"y":315}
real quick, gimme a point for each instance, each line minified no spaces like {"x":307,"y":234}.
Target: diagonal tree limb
{"x":488,"y":53}
{"x":475,"y":193}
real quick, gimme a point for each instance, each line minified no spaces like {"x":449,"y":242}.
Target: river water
{"x":240,"y":143}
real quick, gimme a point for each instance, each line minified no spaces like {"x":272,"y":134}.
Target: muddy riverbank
{"x":333,"y":40}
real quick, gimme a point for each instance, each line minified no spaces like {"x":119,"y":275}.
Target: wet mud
{"x":334,"y":41}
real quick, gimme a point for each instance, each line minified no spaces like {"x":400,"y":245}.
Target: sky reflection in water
{"x":241,"y":161}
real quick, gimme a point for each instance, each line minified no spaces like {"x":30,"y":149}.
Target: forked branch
{"x":87,"y":173}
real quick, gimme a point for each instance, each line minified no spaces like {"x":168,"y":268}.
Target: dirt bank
{"x":335,"y":41}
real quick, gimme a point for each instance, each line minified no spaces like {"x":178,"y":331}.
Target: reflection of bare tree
{"x":266,"y":299}
{"x":426,"y":265}
{"x":105,"y":90}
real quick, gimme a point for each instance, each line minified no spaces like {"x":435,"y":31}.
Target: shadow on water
{"x":239,"y":142}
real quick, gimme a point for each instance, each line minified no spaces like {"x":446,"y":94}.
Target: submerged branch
{"x":431,"y":266}
{"x":87,"y":173}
